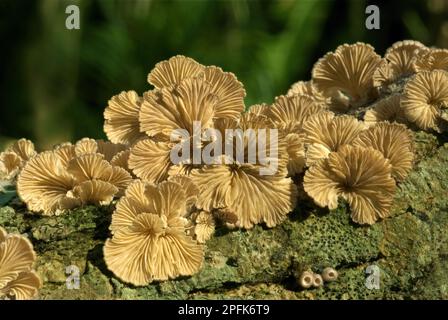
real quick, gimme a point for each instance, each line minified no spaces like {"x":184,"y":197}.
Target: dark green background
{"x":55,"y":83}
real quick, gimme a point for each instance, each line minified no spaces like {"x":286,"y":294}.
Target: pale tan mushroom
{"x":432,"y":60}
{"x":121,"y":118}
{"x":89,"y":167}
{"x":384,"y":74}
{"x":171,"y":72}
{"x":43,"y":183}
{"x":401,"y":56}
{"x":394,"y":141}
{"x":398,"y":62}
{"x":174,"y":108}
{"x":150,"y":160}
{"x":15,"y":157}
{"x":95,"y":192}
{"x":307,"y":88}
{"x":86,"y":146}
{"x":121,"y":159}
{"x":65,"y":152}
{"x":329,"y":274}
{"x":346,"y":74}
{"x":361,"y":176}
{"x":17,"y":279}
{"x":23,"y":148}
{"x":424,"y":99}
{"x":254,"y":198}
{"x":228,"y":89}
{"x":325,"y":133}
{"x":149,"y":235}
{"x":296,"y":153}
{"x":189,"y":187}
{"x":109,"y":149}
{"x":387,"y":109}
{"x":288,"y":113}
{"x":259,"y":109}
{"x":10,"y":164}
{"x":204,"y":226}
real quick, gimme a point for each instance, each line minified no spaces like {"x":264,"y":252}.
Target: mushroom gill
{"x":394,"y":141}
{"x":361,"y":176}
{"x":204,"y":226}
{"x":17,"y":279}
{"x":171,"y":72}
{"x":325,"y":133}
{"x":70,"y":176}
{"x":43,"y":184}
{"x":425,"y":100}
{"x":432,"y":60}
{"x":121,"y":123}
{"x":288,"y":113}
{"x":15,"y":157}
{"x":346,"y":74}
{"x":253,"y":198}
{"x":149,"y":239}
{"x":307,"y":88}
{"x":387,"y":109}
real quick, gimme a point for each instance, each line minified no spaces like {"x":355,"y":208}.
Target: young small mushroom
{"x":329,"y":274}
{"x":317,"y":280}
{"x":306,"y":279}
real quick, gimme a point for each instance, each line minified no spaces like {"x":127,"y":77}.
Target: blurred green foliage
{"x":55,"y":82}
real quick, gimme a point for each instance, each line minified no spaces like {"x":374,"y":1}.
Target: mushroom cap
{"x":296,"y":153}
{"x":432,"y":60}
{"x":15,"y":157}
{"x":204,"y":226}
{"x":121,"y":116}
{"x":95,"y":192}
{"x":317,"y":280}
{"x":23,"y":148}
{"x":254,"y":198}
{"x":361,"y":176}
{"x":189,"y":187}
{"x":306,"y":279}
{"x":121,"y":159}
{"x":150,"y":249}
{"x":329,"y":274}
{"x":43,"y":183}
{"x":424,"y":97}
{"x":65,"y":152}
{"x":259,"y":109}
{"x":16,"y":261}
{"x":26,"y":286}
{"x":325,"y":133}
{"x":173,"y":71}
{"x":228,"y":89}
{"x":10,"y":164}
{"x":288,"y":113}
{"x":89,"y":166}
{"x":387,"y":109}
{"x":384,"y":74}
{"x":150,"y":160}
{"x":348,"y":70}
{"x":149,"y":235}
{"x":169,"y":109}
{"x":401,"y":56}
{"x":394,"y":141}
{"x":307,"y":88}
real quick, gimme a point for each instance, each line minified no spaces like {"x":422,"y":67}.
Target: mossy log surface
{"x":410,"y":248}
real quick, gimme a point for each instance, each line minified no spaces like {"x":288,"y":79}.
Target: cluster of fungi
{"x":346,"y":134}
